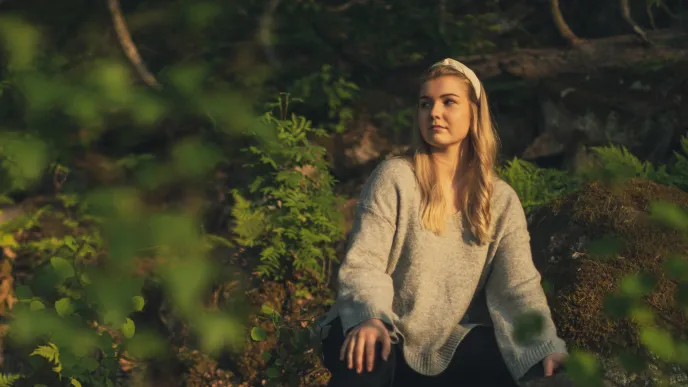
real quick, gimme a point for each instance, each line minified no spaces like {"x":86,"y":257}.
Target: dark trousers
{"x":476,"y":362}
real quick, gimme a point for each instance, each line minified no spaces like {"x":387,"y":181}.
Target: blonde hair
{"x":483,"y":144}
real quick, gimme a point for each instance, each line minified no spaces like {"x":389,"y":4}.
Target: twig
{"x":128,"y":45}
{"x":626,"y":13}
{"x":560,"y":23}
{"x":347,"y":5}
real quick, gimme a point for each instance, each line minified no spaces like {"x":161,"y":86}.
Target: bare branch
{"x":347,"y":5}
{"x":128,"y":45}
{"x":560,"y":23}
{"x":626,"y":13}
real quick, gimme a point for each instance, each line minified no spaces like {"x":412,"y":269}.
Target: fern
{"x":51,"y":353}
{"x":7,"y":380}
{"x":535,"y":186}
{"x":618,"y":163}
{"x":289,"y":212}
{"x":679,"y":171}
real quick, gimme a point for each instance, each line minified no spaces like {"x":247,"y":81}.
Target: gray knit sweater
{"x":431,"y":290}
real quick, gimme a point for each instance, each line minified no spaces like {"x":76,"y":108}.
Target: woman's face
{"x":444,"y":111}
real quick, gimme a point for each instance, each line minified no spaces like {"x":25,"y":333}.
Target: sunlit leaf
{"x":62,"y":267}
{"x":64,"y":307}
{"x":36,"y":306}
{"x":658,"y":341}
{"x":145,"y":345}
{"x":258,"y":334}
{"x":584,"y":369}
{"x":194,"y":159}
{"x":138,"y":303}
{"x":28,"y":157}
{"x":20,"y":40}
{"x":128,"y":328}
{"x":638,"y":285}
{"x":670,"y":214}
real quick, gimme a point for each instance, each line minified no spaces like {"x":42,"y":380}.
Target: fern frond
{"x":51,"y":353}
{"x":7,"y":380}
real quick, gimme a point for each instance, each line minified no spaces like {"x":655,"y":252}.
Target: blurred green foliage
{"x":127,"y":168}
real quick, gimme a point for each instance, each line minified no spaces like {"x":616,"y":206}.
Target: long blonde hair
{"x":483,"y":144}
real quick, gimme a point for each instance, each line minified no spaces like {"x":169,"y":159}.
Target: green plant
{"x":289,"y":211}
{"x":336,"y":91}
{"x":7,"y":380}
{"x":63,"y":289}
{"x":535,"y":186}
{"x":295,"y":354}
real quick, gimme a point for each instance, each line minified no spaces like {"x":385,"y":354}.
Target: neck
{"x":450,"y":163}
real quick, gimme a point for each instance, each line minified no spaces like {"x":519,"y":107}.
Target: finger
{"x":358,"y":355}
{"x":370,"y":354}
{"x":548,"y":367}
{"x":342,"y":351}
{"x":350,"y":351}
{"x":386,"y":346}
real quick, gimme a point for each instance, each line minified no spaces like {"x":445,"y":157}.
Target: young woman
{"x":439,"y":269}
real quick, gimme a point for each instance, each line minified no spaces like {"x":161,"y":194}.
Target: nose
{"x":436,"y":110}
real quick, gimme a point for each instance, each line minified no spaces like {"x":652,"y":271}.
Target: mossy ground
{"x":580,"y":276}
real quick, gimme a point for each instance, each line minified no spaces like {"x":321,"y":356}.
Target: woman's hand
{"x":553,"y":361}
{"x":362,"y":340}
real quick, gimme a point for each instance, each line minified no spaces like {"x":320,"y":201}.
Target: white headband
{"x":462,"y":68}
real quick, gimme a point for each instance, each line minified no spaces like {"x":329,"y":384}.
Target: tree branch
{"x":562,"y":27}
{"x":594,"y":55}
{"x":626,"y":13}
{"x":347,"y":5}
{"x":130,"y":50}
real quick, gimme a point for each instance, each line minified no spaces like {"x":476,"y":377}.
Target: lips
{"x":437,"y":127}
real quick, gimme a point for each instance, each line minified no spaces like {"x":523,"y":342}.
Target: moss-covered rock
{"x":579,"y":270}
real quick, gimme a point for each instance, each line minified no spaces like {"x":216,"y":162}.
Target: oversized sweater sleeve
{"x":514,"y":288}
{"x":365,"y":288}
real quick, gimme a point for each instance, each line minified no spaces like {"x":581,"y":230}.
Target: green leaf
{"x":138,"y":303}
{"x":528,"y":326}
{"x":267,"y":309}
{"x":258,"y":334}
{"x":128,"y":328}
{"x":90,"y":363}
{"x":23,"y":292}
{"x":266,"y":356}
{"x":64,"y":307}
{"x":146,"y":345}
{"x":676,"y":268}
{"x":670,"y":214}
{"x":62,"y":267}
{"x":638,"y":285}
{"x":273,"y":373}
{"x":658,"y":341}
{"x":7,"y":380}
{"x":7,"y":240}
{"x":584,"y":369}
{"x":36,"y":306}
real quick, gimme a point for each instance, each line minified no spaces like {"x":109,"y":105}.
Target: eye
{"x":424,"y":104}
{"x":450,"y":102}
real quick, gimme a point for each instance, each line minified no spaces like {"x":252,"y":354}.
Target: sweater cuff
{"x":534,"y":355}
{"x":352,"y":316}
